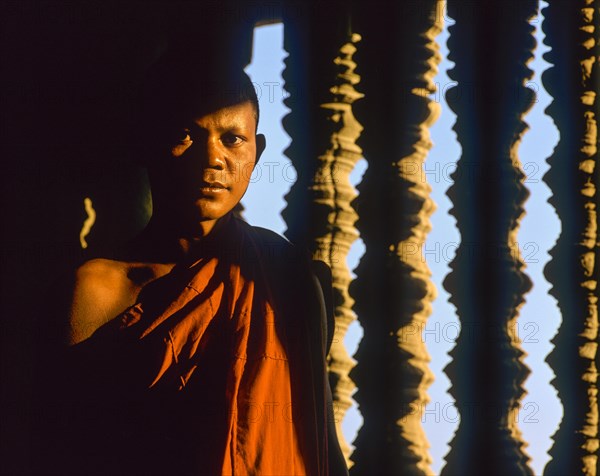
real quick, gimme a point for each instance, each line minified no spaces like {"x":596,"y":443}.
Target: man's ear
{"x":261,"y":143}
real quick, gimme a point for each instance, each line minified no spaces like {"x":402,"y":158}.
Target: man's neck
{"x":162,"y":241}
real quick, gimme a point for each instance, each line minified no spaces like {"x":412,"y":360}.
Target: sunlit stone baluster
{"x":393,"y":290}
{"x":491,"y":44}
{"x":332,"y":193}
{"x":573,"y":32}
{"x":323,"y":193}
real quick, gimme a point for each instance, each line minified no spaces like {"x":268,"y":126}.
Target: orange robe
{"x":218,"y":369}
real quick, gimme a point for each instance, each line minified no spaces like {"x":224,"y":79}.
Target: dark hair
{"x":175,"y":91}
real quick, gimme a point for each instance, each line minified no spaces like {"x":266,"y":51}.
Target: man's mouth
{"x":212,"y":187}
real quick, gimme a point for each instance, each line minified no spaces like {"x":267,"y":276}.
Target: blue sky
{"x":539,"y":318}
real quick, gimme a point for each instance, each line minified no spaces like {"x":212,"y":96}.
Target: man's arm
{"x":337,"y":462}
{"x":61,"y":436}
{"x":74,"y":405}
{"x":323,"y":274}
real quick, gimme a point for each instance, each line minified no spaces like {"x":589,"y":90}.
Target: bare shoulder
{"x":99,"y":267}
{"x":101,"y":277}
{"x":101,"y":291}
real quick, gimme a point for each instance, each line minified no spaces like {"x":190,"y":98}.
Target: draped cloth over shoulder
{"x":219,"y":368}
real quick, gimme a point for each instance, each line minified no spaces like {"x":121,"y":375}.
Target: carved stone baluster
{"x":393,"y":290}
{"x":332,"y":192}
{"x":329,"y":231}
{"x":491,"y":44}
{"x":573,"y":31}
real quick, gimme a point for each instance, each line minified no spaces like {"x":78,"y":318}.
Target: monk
{"x":199,"y":347}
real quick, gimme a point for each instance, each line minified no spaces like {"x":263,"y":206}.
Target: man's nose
{"x":211,"y":155}
{"x":215,"y":160}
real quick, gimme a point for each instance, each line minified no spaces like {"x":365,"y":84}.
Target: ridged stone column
{"x":324,"y":153}
{"x":398,"y":58}
{"x":491,"y":44}
{"x":573,"y":32}
{"x":332,"y":192}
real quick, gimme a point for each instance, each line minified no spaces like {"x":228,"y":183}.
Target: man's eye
{"x":182,"y":141}
{"x":232,"y":139}
{"x":184,"y":136}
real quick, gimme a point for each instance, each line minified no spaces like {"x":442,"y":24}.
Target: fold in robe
{"x":219,"y":368}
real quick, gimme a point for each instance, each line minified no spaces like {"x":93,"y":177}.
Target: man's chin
{"x":211,"y":215}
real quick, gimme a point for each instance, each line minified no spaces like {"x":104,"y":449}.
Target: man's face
{"x":211,"y":160}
